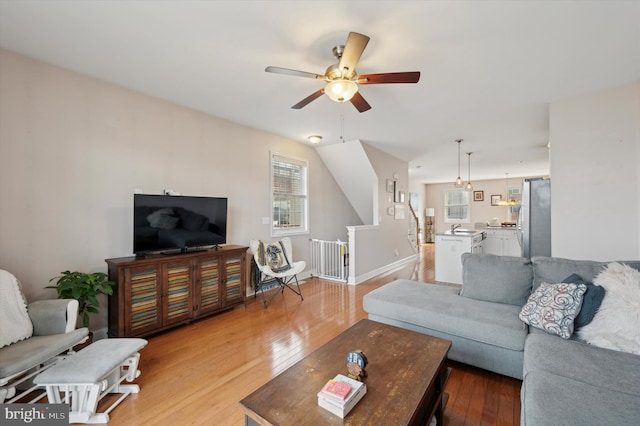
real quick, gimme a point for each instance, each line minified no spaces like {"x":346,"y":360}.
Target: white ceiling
{"x":489,"y":69}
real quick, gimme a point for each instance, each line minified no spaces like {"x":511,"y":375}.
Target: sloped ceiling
{"x":489,"y":68}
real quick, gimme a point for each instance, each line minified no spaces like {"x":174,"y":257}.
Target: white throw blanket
{"x":15,"y":324}
{"x":616,"y":325}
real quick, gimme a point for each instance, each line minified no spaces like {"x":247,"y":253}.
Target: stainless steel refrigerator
{"x":534,"y":219}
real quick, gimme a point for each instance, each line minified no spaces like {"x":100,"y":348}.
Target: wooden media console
{"x":158,"y":292}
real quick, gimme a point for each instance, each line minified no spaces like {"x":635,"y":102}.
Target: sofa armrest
{"x":55,"y":316}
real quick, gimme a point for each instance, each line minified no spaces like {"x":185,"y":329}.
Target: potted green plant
{"x":84,"y":288}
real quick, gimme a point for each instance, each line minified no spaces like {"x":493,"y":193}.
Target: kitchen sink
{"x":461,"y":231}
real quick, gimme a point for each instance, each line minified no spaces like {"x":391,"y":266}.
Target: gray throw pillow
{"x":501,"y":279}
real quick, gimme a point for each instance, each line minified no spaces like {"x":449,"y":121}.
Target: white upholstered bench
{"x":85,"y":378}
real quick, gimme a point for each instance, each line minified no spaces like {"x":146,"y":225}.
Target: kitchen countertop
{"x":468,"y":233}
{"x":499,"y":228}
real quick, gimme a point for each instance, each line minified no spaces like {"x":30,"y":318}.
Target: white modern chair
{"x":274,"y":263}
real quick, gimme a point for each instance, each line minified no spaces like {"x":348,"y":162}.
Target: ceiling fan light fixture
{"x":341,"y":90}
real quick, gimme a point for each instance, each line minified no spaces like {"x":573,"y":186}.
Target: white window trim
{"x":444,"y":202}
{"x":304,"y":229}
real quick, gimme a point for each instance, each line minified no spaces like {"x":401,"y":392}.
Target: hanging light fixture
{"x":508,"y":201}
{"x":459,"y":183}
{"x":469,"y":187}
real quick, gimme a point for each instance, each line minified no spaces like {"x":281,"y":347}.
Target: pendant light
{"x":509,"y":201}
{"x":459,"y":183}
{"x":469,"y":187}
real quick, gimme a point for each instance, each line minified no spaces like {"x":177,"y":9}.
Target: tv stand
{"x":161,"y":291}
{"x":194,"y":249}
{"x":171,"y":252}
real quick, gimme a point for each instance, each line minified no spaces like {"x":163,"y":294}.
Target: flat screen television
{"x":172,"y":224}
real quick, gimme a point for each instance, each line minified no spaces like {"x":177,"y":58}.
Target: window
{"x":288,"y":195}
{"x":514,"y":193}
{"x":456,"y":206}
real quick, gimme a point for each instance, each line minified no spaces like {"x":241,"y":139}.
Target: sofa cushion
{"x":501,"y":279}
{"x":440,"y":308}
{"x":608,"y":369}
{"x":36,"y":350}
{"x":549,"y":399}
{"x":555,"y":269}
{"x":573,"y":383}
{"x":553,"y":307}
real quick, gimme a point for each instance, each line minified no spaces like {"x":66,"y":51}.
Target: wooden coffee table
{"x":406,"y":378}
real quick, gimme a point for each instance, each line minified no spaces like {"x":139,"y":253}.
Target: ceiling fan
{"x":342,"y":80}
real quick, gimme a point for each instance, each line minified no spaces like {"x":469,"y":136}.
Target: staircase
{"x":413,"y":233}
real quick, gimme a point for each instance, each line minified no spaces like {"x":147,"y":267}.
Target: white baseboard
{"x":395,"y":265}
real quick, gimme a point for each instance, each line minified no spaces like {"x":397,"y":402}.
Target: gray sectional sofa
{"x":565,"y":381}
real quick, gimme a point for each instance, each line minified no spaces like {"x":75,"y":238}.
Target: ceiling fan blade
{"x":295,"y":73}
{"x":389,"y":77}
{"x":360,"y":103}
{"x":308,"y":99}
{"x":352,"y":51}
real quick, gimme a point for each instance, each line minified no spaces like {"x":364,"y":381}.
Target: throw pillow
{"x":553,"y":307}
{"x":591,"y":300}
{"x":16,"y":324}
{"x":616,"y":325}
{"x":163,"y":219}
{"x":274,"y":256}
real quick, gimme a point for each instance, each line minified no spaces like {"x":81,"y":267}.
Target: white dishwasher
{"x":449,"y":249}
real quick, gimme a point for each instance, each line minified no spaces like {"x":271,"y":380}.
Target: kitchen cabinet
{"x":158,"y":292}
{"x":502,"y":242}
{"x":448,"y":252}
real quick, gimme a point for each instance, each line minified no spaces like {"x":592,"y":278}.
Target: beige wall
{"x":595,"y":173}
{"x":73,"y":149}
{"x":377,"y":247}
{"x":481,"y":211}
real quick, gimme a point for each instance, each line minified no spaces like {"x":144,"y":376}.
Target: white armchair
{"x":32,"y":337}
{"x":274,"y":263}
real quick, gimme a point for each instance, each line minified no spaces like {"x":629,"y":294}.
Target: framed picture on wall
{"x":390,"y":185}
{"x":495,"y":200}
{"x":478,"y":195}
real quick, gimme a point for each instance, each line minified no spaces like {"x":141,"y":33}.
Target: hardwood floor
{"x":196,"y":374}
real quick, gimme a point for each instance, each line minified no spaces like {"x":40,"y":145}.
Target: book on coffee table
{"x":338,"y":404}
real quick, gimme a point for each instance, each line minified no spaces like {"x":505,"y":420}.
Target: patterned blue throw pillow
{"x":553,"y":308}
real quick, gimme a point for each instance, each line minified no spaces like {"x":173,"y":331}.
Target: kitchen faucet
{"x":454,"y":227}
